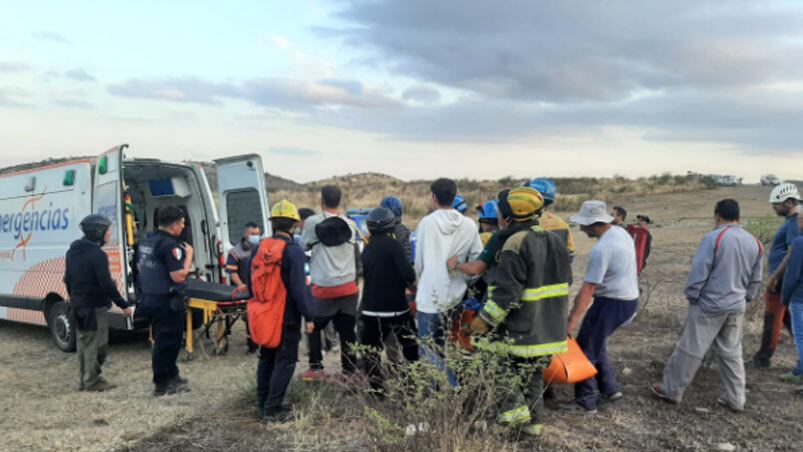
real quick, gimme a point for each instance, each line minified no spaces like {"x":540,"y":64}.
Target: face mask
{"x":253,"y":239}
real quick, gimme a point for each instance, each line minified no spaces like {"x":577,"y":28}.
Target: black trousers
{"x":167,"y":327}
{"x":345,"y":325}
{"x":275,"y":370}
{"x":375,"y":331}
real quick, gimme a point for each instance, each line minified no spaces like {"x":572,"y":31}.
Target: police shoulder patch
{"x":178,"y":253}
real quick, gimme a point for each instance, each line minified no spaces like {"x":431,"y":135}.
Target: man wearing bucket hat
{"x":525,"y":312}
{"x":611,"y":283}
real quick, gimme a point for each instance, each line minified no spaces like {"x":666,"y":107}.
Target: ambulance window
{"x":242,"y":207}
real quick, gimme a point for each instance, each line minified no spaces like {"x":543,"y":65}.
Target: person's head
{"x":726,"y":211}
{"x":619,"y":215}
{"x":96,"y":228}
{"x":380,"y":221}
{"x":593,"y":218}
{"x":171,"y":220}
{"x":393,"y":204}
{"x":443,"y":193}
{"x":785,"y":199}
{"x":503,"y":209}
{"x":284,"y":217}
{"x":644,"y":221}
{"x":489,"y":216}
{"x":523,"y":204}
{"x":331,"y":196}
{"x":304,"y":213}
{"x":547,"y":188}
{"x":459,"y":204}
{"x":251,"y":233}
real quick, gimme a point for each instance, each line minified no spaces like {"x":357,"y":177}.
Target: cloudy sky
{"x":413,"y":88}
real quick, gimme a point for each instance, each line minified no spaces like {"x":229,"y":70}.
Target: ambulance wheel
{"x":62,"y":327}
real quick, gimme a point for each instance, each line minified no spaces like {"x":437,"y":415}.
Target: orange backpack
{"x":266,"y":309}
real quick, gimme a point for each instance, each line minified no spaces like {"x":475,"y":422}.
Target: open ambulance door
{"x":243,"y":197}
{"x":107,"y":200}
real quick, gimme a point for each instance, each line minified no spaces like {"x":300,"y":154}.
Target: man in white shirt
{"x":440,"y":235}
{"x":611,"y":283}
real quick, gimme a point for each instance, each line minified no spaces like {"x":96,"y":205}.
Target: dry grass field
{"x":40,"y":409}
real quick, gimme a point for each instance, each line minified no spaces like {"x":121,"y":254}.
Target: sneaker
{"x":726,"y":404}
{"x":534,"y":430}
{"x":160,"y":390}
{"x":576,"y":408}
{"x":277,"y":416}
{"x":101,"y":386}
{"x":313,"y":375}
{"x":791,"y":377}
{"x":615,"y":397}
{"x":658,"y":390}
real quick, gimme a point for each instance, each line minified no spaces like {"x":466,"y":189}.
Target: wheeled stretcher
{"x":212,"y":304}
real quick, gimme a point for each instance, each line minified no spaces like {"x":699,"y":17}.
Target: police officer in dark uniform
{"x":164,"y":265}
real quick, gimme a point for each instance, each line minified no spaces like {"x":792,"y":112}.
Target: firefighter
{"x":164,"y":265}
{"x":525,"y":313}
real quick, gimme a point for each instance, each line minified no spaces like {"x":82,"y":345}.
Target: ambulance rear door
{"x":243,"y":196}
{"x":107,"y":200}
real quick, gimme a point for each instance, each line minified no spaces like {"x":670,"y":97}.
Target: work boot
{"x":533,"y":430}
{"x":100,"y":386}
{"x":277,"y":415}
{"x":178,"y":385}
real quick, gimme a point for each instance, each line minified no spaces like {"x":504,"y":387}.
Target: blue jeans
{"x":601,"y":320}
{"x":796,"y":312}
{"x":431,"y":332}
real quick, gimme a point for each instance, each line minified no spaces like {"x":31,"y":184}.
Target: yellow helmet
{"x":525,"y":203}
{"x":285,"y":209}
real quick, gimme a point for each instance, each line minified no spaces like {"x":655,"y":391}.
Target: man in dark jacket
{"x":277,"y":365}
{"x":91,"y":290}
{"x":385,"y":310}
{"x":400,"y":231}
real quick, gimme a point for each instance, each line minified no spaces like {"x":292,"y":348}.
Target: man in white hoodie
{"x":440,"y":235}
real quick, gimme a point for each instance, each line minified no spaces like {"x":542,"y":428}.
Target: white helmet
{"x":783,"y":192}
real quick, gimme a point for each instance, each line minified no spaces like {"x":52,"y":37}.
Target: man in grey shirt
{"x":725,"y":276}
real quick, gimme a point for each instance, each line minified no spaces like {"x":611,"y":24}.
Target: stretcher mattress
{"x":197,"y":288}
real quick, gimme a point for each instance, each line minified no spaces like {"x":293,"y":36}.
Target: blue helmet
{"x":393,"y":204}
{"x":488,"y":210}
{"x":546,"y":187}
{"x":459,"y":204}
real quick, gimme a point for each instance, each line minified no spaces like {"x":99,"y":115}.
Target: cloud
{"x":10,"y":67}
{"x":281,"y":93}
{"x":574,"y":51}
{"x":10,"y":97}
{"x":182,"y":89}
{"x":50,"y":36}
{"x":73,"y":103}
{"x":79,"y":75}
{"x":423,"y":94}
{"x":686,"y":70}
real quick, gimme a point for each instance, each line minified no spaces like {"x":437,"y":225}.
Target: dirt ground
{"x":40,"y":409}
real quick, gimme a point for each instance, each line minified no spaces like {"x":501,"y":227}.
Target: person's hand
{"x":479,"y":325}
{"x":451,"y":264}
{"x":128,"y":312}
{"x":772,"y":283}
{"x":242,"y":286}
{"x":570,"y":326}
{"x":188,"y":249}
{"x":310,"y":327}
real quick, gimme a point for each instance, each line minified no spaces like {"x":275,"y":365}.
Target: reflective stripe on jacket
{"x":528,"y":297}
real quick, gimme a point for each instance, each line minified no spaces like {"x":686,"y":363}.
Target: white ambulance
{"x":41,"y":208}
